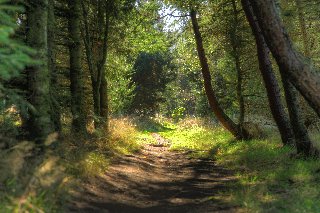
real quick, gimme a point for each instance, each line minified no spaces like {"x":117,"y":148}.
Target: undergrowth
{"x":76,"y":158}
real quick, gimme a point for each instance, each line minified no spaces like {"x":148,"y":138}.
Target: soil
{"x":157,"y":180}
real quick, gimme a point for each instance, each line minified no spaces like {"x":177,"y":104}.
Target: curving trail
{"x":157,"y":180}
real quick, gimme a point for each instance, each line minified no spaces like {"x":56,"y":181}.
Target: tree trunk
{"x":40,"y":124}
{"x":96,"y":99}
{"x":301,"y":73}
{"x":55,"y":106}
{"x":269,"y":78}
{"x":236,"y":56}
{"x":302,"y":139}
{"x":76,"y":75}
{"x":214,"y":104}
{"x":96,"y":52}
{"x":104,"y":102}
{"x":104,"y":108}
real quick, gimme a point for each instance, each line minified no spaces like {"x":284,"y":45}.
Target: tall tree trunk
{"x":40,"y":124}
{"x":214,"y":104}
{"x":301,"y":73}
{"x":236,"y":55}
{"x":104,"y":107}
{"x":55,"y":106}
{"x":104,"y":104}
{"x":76,"y":74}
{"x":96,"y":100}
{"x":303,"y":142}
{"x":269,"y":78}
{"x":96,"y":52}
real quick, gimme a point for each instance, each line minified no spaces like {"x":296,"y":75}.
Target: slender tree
{"x":213,"y":101}
{"x":55,"y":106}
{"x":300,"y":71}
{"x":40,"y":123}
{"x":269,"y":78}
{"x":235,"y":44}
{"x":95,"y":36}
{"x":302,"y":140}
{"x":76,"y":73}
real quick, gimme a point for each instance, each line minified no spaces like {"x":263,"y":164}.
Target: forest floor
{"x":157,"y":180}
{"x":155,"y":165}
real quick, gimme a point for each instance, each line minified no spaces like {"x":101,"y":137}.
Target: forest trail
{"x":157,"y":180}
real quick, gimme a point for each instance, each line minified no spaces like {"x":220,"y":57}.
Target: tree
{"x":14,"y":55}
{"x":96,"y":29}
{"x":151,"y":74}
{"x":40,"y":123}
{"x":55,"y":106}
{"x":235,"y":45}
{"x":302,"y":140}
{"x":213,"y":101}
{"x":76,"y":73}
{"x":269,"y":78}
{"x":300,"y":71}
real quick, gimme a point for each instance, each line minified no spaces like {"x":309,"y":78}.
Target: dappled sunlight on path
{"x":157,"y":180}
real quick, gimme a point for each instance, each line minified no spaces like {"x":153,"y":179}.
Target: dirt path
{"x":157,"y":180}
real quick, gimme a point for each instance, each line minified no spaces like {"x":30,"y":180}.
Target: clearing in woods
{"x":157,"y":180}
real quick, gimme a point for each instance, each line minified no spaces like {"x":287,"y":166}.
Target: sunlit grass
{"x":92,"y":157}
{"x":192,"y":135}
{"x":270,"y":178}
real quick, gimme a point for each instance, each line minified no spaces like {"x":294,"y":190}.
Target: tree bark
{"x":96,"y":52}
{"x":269,"y":78}
{"x":301,"y":73}
{"x":236,"y":56}
{"x":303,"y":142}
{"x":55,"y":106}
{"x":104,"y":107}
{"x":214,"y":104}
{"x":76,"y":74}
{"x":40,"y":124}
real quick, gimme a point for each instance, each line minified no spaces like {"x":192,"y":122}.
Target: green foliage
{"x":151,"y":74}
{"x":14,"y":56}
{"x":120,"y":91}
{"x":187,"y":86}
{"x":9,"y":120}
{"x":178,"y":113}
{"x":135,"y":31}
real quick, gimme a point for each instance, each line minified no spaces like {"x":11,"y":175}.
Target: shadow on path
{"x":157,"y":180}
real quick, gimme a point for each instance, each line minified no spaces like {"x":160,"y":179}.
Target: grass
{"x":270,"y":178}
{"x":75,"y":159}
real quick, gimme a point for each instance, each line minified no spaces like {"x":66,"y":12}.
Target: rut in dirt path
{"x":157,"y":180}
